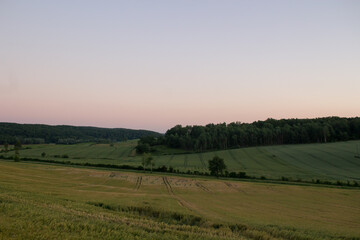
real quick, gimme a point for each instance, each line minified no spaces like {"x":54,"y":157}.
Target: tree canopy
{"x":216,"y":166}
{"x":269,"y":132}
{"x":38,"y":133}
{"x":147,"y":160}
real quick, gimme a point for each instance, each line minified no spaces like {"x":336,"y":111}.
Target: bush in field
{"x":143,"y":148}
{"x":216,"y":166}
{"x":147,"y":160}
{"x":43,"y":154}
{"x":238,"y":175}
{"x":284,"y":178}
{"x":232,"y":174}
{"x":17,"y":145}
{"x":163,"y":168}
{"x":6,"y":146}
{"x":16,"y":157}
{"x":17,"y":154}
{"x":242,"y":175}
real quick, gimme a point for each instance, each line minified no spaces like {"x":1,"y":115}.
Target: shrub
{"x":16,"y":158}
{"x":242,"y":175}
{"x":284,"y":178}
{"x":163,"y":168}
{"x":143,"y":148}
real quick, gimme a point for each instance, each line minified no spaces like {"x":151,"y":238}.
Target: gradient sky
{"x":155,"y":64}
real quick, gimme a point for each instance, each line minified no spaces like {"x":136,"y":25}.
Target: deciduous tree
{"x":147,"y":160}
{"x":216,"y":166}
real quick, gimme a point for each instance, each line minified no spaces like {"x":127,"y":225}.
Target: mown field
{"x":330,"y":161}
{"x":42,"y":201}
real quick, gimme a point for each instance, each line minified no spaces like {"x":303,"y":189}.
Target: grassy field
{"x":331,"y":161}
{"x":39,"y":201}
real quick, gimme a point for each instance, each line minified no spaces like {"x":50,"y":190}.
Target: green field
{"x":41,"y":201}
{"x":330,"y":161}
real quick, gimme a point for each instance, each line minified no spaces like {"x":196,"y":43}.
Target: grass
{"x":39,"y":201}
{"x":331,"y":161}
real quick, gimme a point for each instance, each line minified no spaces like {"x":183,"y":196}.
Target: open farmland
{"x":330,"y":161}
{"x":79,"y":203}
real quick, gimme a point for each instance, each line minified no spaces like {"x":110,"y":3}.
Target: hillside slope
{"x":73,"y":203}
{"x":40,"y":133}
{"x":330,"y":161}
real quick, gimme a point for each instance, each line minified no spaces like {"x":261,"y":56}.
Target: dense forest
{"x":38,"y":133}
{"x":260,"y":133}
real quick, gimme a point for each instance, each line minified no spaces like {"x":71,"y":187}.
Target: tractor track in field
{"x":202,"y":187}
{"x":202,"y":160}
{"x":322,"y":160}
{"x":171,"y":192}
{"x":296,"y":160}
{"x":229,"y":185}
{"x":329,"y":163}
{"x":168,"y":186}
{"x":236,"y":159}
{"x":300,"y":169}
{"x":316,"y":158}
{"x":185,"y":162}
{"x":113,"y":151}
{"x":281,"y":162}
{"x":180,"y":200}
{"x":337,"y":156}
{"x":123,"y":152}
{"x":266,"y":153}
{"x":342,"y":149}
{"x":138,"y":183}
{"x":170,"y":159}
{"x":261,"y":165}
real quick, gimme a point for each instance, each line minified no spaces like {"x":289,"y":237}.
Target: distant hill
{"x":40,"y":133}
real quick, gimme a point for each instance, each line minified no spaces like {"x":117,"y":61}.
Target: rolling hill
{"x":40,"y":133}
{"x":326,"y":161}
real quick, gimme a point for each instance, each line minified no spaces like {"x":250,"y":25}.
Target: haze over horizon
{"x":154,"y":64}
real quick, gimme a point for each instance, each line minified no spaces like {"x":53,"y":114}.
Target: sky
{"x":154,"y":64}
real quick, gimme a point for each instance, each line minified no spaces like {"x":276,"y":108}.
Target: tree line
{"x":38,"y":133}
{"x":260,"y":133}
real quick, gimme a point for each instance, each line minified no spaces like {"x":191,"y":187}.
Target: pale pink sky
{"x":154,"y":65}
